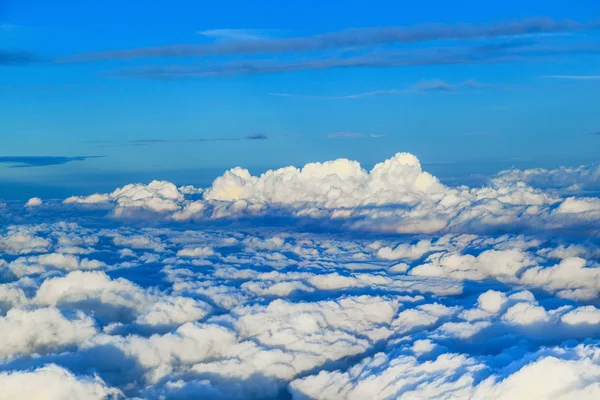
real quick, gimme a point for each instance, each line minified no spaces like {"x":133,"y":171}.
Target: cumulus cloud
{"x":394,"y":196}
{"x":322,"y":282}
{"x":42,"y":330}
{"x":21,"y":241}
{"x":33,"y":202}
{"x":53,"y":382}
{"x":157,"y":196}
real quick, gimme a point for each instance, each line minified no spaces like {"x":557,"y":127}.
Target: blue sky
{"x":163,"y":116}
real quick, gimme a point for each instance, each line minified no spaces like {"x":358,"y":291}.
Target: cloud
{"x":360,"y":37}
{"x":17,"y":58}
{"x":251,"y":136}
{"x":257,"y":136}
{"x":396,"y":195}
{"x":182,"y":310}
{"x":344,"y":135}
{"x":39,"y":161}
{"x":423,"y":86}
{"x":235,"y":34}
{"x":41,"y":331}
{"x":54,"y":382}
{"x":374,"y":93}
{"x":328,"y":281}
{"x":455,"y":376}
{"x":33,"y":202}
{"x":575,"y":77}
{"x":566,"y":179}
{"x":457,"y":55}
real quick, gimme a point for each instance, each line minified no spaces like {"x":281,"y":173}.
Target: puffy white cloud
{"x":406,"y":251}
{"x":91,"y":199}
{"x":501,"y":264}
{"x":33,"y":202}
{"x":382,"y":377}
{"x":571,"y":274}
{"x":33,"y":265}
{"x":559,"y":375}
{"x":570,"y":179}
{"x":157,"y":196}
{"x":582,"y":315}
{"x":139,"y":242}
{"x":53,"y":383}
{"x":41,"y":330}
{"x":11,"y":295}
{"x":549,"y":377}
{"x":525,"y":314}
{"x":20,"y":241}
{"x":196,"y":252}
{"x":396,"y":195}
{"x":95,"y":292}
{"x":335,"y":184}
{"x":573,"y":205}
{"x":174,"y":310}
{"x":254,"y":309}
{"x":193,"y":210}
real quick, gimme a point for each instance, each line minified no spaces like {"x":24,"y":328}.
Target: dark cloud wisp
{"x":349,"y":38}
{"x":252,"y":136}
{"x":39,"y":161}
{"x":17,"y":58}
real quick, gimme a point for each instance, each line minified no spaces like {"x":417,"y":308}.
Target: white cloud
{"x":34,"y":265}
{"x":559,"y":375}
{"x":20,"y":241}
{"x":95,"y":292}
{"x":53,"y":383}
{"x":33,"y":202}
{"x":42,"y":330}
{"x":196,"y":252}
{"x":170,"y":303}
{"x":396,"y":195}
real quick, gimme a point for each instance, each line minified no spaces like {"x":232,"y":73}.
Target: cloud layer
{"x":323,"y":282}
{"x":396,"y":195}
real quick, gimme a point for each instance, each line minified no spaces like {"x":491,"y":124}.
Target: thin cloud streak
{"x":574,"y":77}
{"x":40,"y":161}
{"x":435,"y":56}
{"x":349,"y":38}
{"x":351,"y":135}
{"x":18,"y":57}
{"x":434,"y":85}
{"x":234,"y":34}
{"x":252,"y":136}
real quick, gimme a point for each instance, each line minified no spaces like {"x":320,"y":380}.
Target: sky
{"x":185,"y":90}
{"x":299,"y":201}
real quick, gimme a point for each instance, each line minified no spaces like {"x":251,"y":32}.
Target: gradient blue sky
{"x":487,"y":113}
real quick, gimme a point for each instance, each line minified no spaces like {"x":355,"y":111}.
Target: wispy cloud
{"x":349,"y":38}
{"x":459,"y":55}
{"x":256,"y":136}
{"x":8,"y":27}
{"x":351,"y":135}
{"x":373,"y":93}
{"x":18,"y":57}
{"x":39,"y":161}
{"x":575,"y":77}
{"x":481,"y":133}
{"x":435,"y":85}
{"x":234,"y":34}
{"x":595,"y":133}
{"x":151,"y":141}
